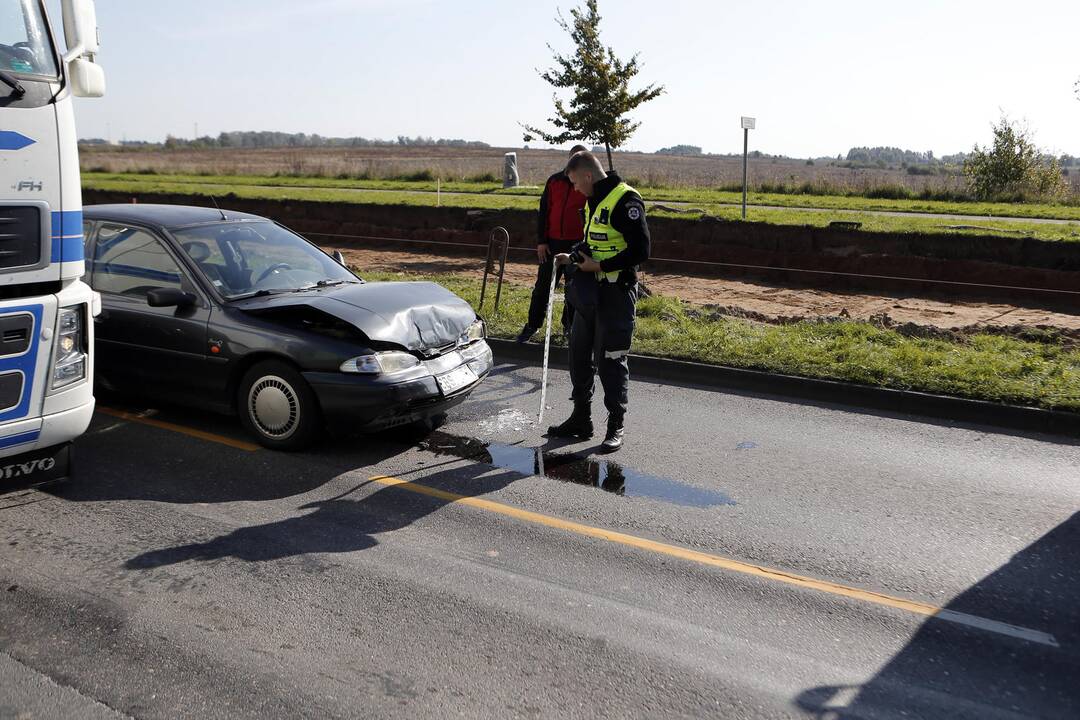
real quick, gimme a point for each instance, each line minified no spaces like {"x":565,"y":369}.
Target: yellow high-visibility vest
{"x":604,"y":240}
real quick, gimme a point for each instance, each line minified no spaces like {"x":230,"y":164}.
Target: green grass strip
{"x":983,"y":367}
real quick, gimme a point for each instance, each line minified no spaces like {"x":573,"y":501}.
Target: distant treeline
{"x":268,"y":139}
{"x":680,"y":150}
{"x":696,"y":151}
{"x":916,"y":162}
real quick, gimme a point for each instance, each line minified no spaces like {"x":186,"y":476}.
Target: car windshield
{"x":25,"y":48}
{"x":245,"y":258}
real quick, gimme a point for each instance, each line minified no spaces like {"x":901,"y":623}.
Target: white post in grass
{"x":748,"y":124}
{"x":510,"y":170}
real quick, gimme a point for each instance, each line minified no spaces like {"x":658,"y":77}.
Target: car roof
{"x":170,"y":217}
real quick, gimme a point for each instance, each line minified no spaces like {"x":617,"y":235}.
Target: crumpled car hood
{"x":420,"y":316}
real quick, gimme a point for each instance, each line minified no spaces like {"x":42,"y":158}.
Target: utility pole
{"x":748,"y":124}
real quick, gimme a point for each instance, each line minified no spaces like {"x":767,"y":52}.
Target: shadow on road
{"x":122,"y":460}
{"x":337,"y":525}
{"x":947,"y":670}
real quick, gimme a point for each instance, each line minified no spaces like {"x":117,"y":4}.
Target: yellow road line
{"x":696,"y":556}
{"x":202,"y":435}
{"x":719,"y":561}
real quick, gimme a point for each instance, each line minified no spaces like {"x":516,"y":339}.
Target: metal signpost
{"x":747,"y":125}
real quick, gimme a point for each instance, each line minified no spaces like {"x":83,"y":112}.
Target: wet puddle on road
{"x":570,"y":467}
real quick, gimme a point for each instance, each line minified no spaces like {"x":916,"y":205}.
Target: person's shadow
{"x":948,"y":670}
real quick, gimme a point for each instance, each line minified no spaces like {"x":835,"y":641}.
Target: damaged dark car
{"x":234,"y":313}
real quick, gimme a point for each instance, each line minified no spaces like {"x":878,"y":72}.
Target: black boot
{"x":578,"y":425}
{"x":526,"y":334}
{"x":614,"y":438}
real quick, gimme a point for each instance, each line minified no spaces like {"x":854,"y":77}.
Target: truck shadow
{"x":336,"y":525}
{"x":119,"y":460}
{"x":949,"y":670}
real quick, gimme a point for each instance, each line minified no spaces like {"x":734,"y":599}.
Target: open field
{"x":534,"y":166}
{"x":902,"y":223}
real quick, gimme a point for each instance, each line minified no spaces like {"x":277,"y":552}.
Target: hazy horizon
{"x":390,"y":142}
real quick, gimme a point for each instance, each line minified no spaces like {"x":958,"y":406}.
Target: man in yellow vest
{"x":603,"y":292}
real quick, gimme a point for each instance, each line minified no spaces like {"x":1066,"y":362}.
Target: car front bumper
{"x":375,"y":402}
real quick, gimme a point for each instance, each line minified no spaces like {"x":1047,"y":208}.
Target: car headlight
{"x":476,"y":331}
{"x":69,"y":348}
{"x":383,"y":362}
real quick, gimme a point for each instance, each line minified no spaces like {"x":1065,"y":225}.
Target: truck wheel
{"x":278,"y":406}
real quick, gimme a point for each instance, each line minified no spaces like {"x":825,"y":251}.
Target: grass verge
{"x":983,"y":367}
{"x":707,"y":196}
{"x":390,"y":195}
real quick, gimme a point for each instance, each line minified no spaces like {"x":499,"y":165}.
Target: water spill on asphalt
{"x":507,"y":420}
{"x":570,"y":467}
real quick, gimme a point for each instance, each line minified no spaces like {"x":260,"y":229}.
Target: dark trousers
{"x":538,"y":305}
{"x":600,"y":341}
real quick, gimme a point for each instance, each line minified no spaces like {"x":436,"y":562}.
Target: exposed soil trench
{"x":764,"y":302}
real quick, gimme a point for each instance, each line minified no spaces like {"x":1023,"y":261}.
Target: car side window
{"x":208,"y":256}
{"x":133,"y":261}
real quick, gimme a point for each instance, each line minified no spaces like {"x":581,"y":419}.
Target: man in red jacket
{"x":561,"y":226}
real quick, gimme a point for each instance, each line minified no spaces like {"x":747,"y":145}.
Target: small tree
{"x":601,"y":88}
{"x":1013,"y":166}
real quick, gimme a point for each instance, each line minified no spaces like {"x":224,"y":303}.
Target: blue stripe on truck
{"x":67,"y":236}
{"x":20,"y":439}
{"x":26,"y":363}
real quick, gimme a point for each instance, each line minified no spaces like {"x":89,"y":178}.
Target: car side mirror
{"x":339,"y":258}
{"x":170,"y":297}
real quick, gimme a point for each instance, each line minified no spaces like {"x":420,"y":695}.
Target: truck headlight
{"x":69,"y":347}
{"x":383,"y":362}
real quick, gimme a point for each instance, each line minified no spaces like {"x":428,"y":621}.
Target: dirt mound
{"x":916,"y":316}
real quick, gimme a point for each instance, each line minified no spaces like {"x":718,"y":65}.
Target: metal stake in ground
{"x":489,"y":265}
{"x":547,"y":347}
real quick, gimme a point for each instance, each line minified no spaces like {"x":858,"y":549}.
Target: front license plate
{"x":459,"y":377}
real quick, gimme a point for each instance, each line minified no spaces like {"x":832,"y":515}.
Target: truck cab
{"x":46,"y":311}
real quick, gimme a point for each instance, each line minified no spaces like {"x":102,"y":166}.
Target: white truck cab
{"x":46,"y":311}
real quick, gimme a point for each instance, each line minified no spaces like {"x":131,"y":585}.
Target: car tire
{"x":278,"y":407}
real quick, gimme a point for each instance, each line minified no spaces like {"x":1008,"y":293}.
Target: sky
{"x":820,"y":77}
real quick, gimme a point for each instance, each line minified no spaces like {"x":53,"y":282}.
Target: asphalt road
{"x":749,"y":557}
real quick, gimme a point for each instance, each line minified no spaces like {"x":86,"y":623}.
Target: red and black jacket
{"x":561,"y":206}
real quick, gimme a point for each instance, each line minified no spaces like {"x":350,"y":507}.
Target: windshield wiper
{"x":17,"y":87}
{"x":322,"y":284}
{"x":259,"y":293}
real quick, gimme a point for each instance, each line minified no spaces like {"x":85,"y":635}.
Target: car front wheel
{"x":278,"y":406}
